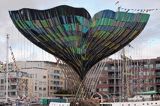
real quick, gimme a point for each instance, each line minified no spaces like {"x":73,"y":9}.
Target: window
{"x":54,"y":88}
{"x":151,"y":88}
{"x":56,"y":82}
{"x":97,"y":90}
{"x":105,"y":89}
{"x":2,"y":81}
{"x":157,"y":65}
{"x":1,"y":94}
{"x":35,"y":88}
{"x":2,"y":87}
{"x":51,"y":87}
{"x":44,"y":77}
{"x":44,"y":89}
{"x":157,"y":73}
{"x":113,"y":68}
{"x":40,"y":88}
{"x":106,"y":68}
{"x":104,"y":82}
{"x":100,"y":82}
{"x":56,"y":77}
{"x":146,"y":66}
{"x":151,"y":66}
{"x":13,"y":93}
{"x":13,"y":87}
{"x":56,"y":71}
{"x":107,"y":105}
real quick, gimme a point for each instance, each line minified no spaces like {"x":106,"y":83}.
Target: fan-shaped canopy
{"x":73,"y":36}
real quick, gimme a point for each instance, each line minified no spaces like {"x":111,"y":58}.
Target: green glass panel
{"x":130,"y":18}
{"x":106,"y":34}
{"x":70,"y":38}
{"x":123,"y":16}
{"x":44,"y":23}
{"x":60,"y":28}
{"x":144,"y":18}
{"x":85,"y":29}
{"x":110,"y":22}
{"x":24,"y":25}
{"x":30,"y":24}
{"x":119,"y":16}
{"x":73,"y":27}
{"x":18,"y":24}
{"x":51,"y":38}
{"x":80,"y":19}
{"x":66,"y":26}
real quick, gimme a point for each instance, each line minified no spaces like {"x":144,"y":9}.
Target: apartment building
{"x":32,"y":78}
{"x":18,"y":84}
{"x":47,"y":77}
{"x":129,"y":77}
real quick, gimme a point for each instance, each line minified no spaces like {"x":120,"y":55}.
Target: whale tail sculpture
{"x":73,"y":36}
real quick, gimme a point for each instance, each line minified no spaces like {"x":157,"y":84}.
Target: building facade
{"x":47,"y":77}
{"x":18,"y":84}
{"x":123,"y":77}
{"x":127,"y":77}
{"x":32,"y":78}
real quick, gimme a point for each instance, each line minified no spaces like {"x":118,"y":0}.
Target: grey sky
{"x":148,"y":43}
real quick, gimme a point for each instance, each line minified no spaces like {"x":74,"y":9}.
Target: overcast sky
{"x":146,"y":45}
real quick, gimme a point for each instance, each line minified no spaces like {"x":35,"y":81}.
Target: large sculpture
{"x":73,"y":36}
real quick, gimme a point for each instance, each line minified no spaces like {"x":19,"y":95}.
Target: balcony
{"x":113,"y":77}
{"x":112,"y":84}
{"x":158,"y":66}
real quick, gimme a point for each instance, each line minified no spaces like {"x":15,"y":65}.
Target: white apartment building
{"x":47,"y":77}
{"x":32,"y":78}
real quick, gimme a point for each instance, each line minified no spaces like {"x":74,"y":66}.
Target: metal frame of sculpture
{"x":77,"y":39}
